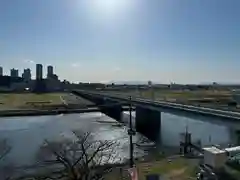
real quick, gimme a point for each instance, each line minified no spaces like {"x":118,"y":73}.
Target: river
{"x":26,"y":134}
{"x":209,"y":132}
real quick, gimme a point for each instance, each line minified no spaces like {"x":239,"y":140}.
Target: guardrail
{"x":165,"y":104}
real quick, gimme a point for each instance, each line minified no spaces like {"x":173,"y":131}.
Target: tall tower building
{"x":39,"y":71}
{"x":27,"y":75}
{"x":1,"y":71}
{"x":49,"y":71}
{"x":14,"y":72}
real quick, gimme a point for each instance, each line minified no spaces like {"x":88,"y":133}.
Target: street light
{"x":131,"y":133}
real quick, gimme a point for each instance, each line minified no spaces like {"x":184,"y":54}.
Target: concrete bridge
{"x":148,"y":113}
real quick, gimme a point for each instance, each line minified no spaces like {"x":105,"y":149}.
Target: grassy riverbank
{"x":19,"y":101}
{"x":177,"y":168}
{"x":28,"y":100}
{"x":217,"y":99}
{"x":162,"y":94}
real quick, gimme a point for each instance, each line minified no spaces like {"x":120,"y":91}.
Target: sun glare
{"x":110,"y":8}
{"x":110,"y":5}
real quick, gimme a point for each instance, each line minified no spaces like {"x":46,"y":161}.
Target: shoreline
{"x":50,"y":111}
{"x":45,"y":112}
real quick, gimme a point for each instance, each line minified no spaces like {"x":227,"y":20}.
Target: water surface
{"x":26,"y":134}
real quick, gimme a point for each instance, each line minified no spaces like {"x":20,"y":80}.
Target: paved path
{"x":70,"y":99}
{"x":63,"y":100}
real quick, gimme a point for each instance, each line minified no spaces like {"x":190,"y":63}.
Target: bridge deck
{"x":172,"y":108}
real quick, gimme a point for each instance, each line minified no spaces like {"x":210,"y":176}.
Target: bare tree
{"x":79,"y":159}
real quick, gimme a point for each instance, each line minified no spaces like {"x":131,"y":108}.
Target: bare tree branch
{"x":81,"y":159}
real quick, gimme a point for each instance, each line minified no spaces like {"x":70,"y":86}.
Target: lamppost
{"x":131,"y":133}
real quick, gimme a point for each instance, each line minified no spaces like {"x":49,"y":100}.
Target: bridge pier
{"x":94,"y":99}
{"x":148,"y":122}
{"x":234,"y":136}
{"x":112,"y":109}
{"x":106,"y":106}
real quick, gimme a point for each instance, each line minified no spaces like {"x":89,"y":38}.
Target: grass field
{"x":176,"y":169}
{"x":158,"y":93}
{"x":217,"y":99}
{"x":197,"y":97}
{"x":28,"y":100}
{"x":189,"y":94}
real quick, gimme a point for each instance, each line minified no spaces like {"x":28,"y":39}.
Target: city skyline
{"x":164,"y":41}
{"x":49,"y":72}
{"x":45,"y":72}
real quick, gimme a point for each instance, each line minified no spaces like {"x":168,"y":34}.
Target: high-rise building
{"x":14,"y":72}
{"x":49,"y":71}
{"x":27,"y":75}
{"x":39,"y":71}
{"x":1,"y":71}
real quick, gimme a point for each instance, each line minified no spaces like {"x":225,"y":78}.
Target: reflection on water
{"x":205,"y":131}
{"x":26,"y":134}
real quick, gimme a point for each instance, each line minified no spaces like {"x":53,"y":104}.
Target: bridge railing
{"x":203,"y":110}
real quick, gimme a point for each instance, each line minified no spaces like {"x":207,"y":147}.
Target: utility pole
{"x":131,"y":133}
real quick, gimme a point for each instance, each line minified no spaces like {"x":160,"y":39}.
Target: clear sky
{"x":182,"y":41}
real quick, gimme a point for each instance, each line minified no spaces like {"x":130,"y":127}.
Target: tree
{"x":79,"y":159}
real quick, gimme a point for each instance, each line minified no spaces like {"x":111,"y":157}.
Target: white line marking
{"x":63,"y":101}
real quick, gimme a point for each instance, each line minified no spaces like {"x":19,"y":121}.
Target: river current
{"x":26,"y":134}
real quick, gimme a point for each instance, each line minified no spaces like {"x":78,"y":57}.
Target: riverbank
{"x":46,"y":101}
{"x":174,"y":168}
{"x":51,"y":111}
{"x":14,"y":113}
{"x":32,"y":104}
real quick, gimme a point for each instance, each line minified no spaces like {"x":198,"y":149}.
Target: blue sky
{"x":183,"y":41}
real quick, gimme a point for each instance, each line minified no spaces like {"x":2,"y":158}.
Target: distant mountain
{"x":131,"y":82}
{"x":128,"y":82}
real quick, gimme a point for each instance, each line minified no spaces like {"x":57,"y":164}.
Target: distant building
{"x":49,"y":71}
{"x":39,"y":72}
{"x":40,"y":86}
{"x":53,"y":83}
{"x":8,"y":81}
{"x":26,"y":75}
{"x":1,"y":71}
{"x":54,"y":77}
{"x":14,"y":73}
{"x":5,"y":81}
